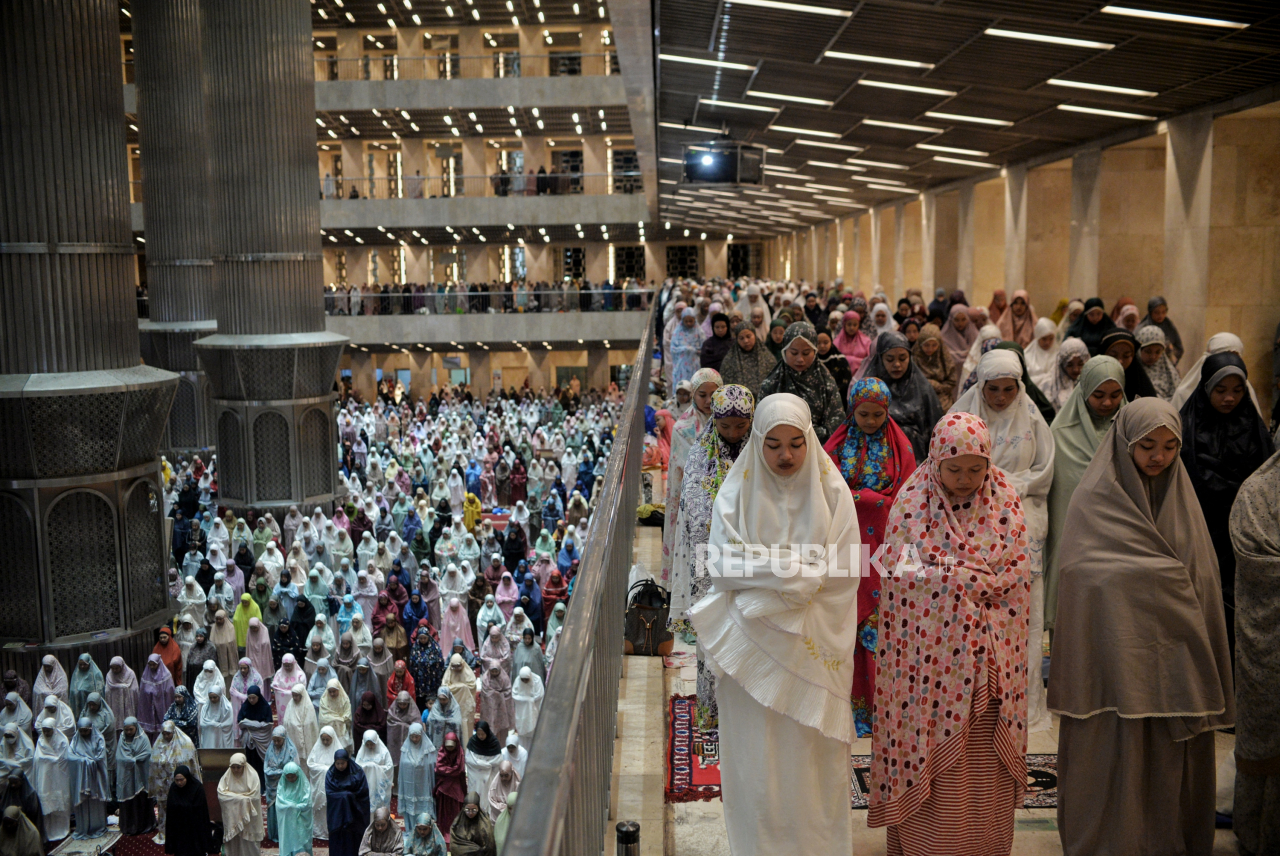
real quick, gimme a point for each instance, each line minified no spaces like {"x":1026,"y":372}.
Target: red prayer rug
{"x":693,"y":765}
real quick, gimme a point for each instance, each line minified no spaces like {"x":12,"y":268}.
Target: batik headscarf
{"x":863,"y":457}
{"x":747,"y":368}
{"x":815,"y":384}
{"x":1163,"y":375}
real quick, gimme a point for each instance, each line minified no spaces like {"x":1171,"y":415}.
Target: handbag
{"x":645,"y":630}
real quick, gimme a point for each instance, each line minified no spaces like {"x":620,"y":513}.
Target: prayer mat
{"x":87,"y":846}
{"x":693,"y":765}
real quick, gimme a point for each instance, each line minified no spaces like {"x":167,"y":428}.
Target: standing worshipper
{"x":717,"y":345}
{"x":496,"y":705}
{"x":1255,"y":523}
{"x":335,"y":712}
{"x":851,"y":341}
{"x":451,"y":780}
{"x":1136,"y":767}
{"x":443,"y":717}
{"x":155,"y":695}
{"x":1223,"y":441}
{"x":185,"y":822}
{"x":121,"y":689}
{"x":379,"y":769}
{"x":346,"y":805}
{"x":875,"y":459}
{"x":89,"y":786}
{"x":958,"y":334}
{"x":293,"y":811}
{"x":783,"y":491}
{"x":484,"y":753}
{"x":1154,"y":357}
{"x":799,"y":373}
{"x":931,"y":356}
{"x":318,"y":764}
{"x":1122,"y":345}
{"x":426,"y":663}
{"x":280,"y":753}
{"x":217,"y":722}
{"x":300,"y":722}
{"x":133,"y":773}
{"x":527,"y":693}
{"x":170,"y":752}
{"x":51,"y":778}
{"x":748,"y":362}
{"x":686,"y":347}
{"x":1022,"y":448}
{"x":1092,"y":325}
{"x":958,"y":652}
{"x":51,"y":680}
{"x":86,"y":678}
{"x":913,"y":404}
{"x":402,"y":714}
{"x":1019,"y":323}
{"x":1158,"y":316}
{"x":240,"y":798}
{"x":1042,"y":355}
{"x":416,"y":776}
{"x":222,"y":633}
{"x":18,"y":836}
{"x":527,"y":654}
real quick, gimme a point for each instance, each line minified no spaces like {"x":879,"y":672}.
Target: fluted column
{"x":82,"y":543}
{"x":173,"y":137}
{"x":271,"y":364}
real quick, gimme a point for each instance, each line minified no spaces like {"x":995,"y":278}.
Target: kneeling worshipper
{"x":1141,"y":669}
{"x":1255,"y":534}
{"x":913,"y":404}
{"x":186,"y":823}
{"x":51,"y":778}
{"x":18,"y":837}
{"x":1224,"y":439}
{"x":240,"y":799}
{"x":293,"y":811}
{"x":1077,"y":430}
{"x":383,"y":837}
{"x":948,"y":763}
{"x":133,"y":773}
{"x":800,"y":373}
{"x":783,"y":491}
{"x":875,"y":459}
{"x":1022,"y":448}
{"x":90,"y":789}
{"x":346,"y":794}
{"x":708,"y":462}
{"x":425,"y":838}
{"x":472,"y":831}
{"x":172,"y":751}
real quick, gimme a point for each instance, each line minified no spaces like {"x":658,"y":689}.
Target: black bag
{"x":645,"y":630}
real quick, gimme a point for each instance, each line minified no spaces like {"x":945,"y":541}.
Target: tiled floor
{"x":697,"y":828}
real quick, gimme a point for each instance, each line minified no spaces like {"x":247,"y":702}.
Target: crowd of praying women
{"x":1011,"y":474}
{"x":396,"y":650}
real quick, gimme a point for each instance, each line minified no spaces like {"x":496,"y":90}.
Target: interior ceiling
{"x":495,"y":122}
{"x":442,"y":239}
{"x":374,"y":14}
{"x":1174,"y":66}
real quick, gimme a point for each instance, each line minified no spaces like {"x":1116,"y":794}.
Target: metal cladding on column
{"x":173,"y":136}
{"x":271,"y":364}
{"x":82,"y":540}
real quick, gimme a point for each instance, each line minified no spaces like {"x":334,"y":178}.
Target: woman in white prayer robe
{"x":51,"y":778}
{"x":217,"y":722}
{"x":781,"y":643}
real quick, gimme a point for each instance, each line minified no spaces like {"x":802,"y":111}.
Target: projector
{"x":723,"y":162}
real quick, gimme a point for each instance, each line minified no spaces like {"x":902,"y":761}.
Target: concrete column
{"x":597,"y":368}
{"x":475,"y":163}
{"x":173,"y":133}
{"x":1015,"y":228}
{"x":876,"y":223}
{"x":272,"y":363}
{"x":540,"y":374}
{"x":965,"y":234}
{"x":946,"y":235}
{"x":716,"y":260}
{"x":535,"y":152}
{"x":857,"y":252}
{"x":1086,"y":206}
{"x":928,"y":243}
{"x":596,"y":262}
{"x":481,"y":374}
{"x":1188,"y":176}
{"x":899,"y":223}
{"x":364,"y":375}
{"x":419,"y":374}
{"x":82,"y":418}
{"x":412,"y":53}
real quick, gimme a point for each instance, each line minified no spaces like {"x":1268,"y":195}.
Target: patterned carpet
{"x":693,"y":765}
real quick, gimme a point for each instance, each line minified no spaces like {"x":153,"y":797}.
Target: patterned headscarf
{"x":729,"y":401}
{"x":1164,"y":377}
{"x":971,"y":598}
{"x":800,"y":330}
{"x":702,"y":376}
{"x":863,"y":456}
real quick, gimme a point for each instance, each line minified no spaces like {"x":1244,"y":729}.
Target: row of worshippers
{"x":1172,"y":476}
{"x":450,"y":298}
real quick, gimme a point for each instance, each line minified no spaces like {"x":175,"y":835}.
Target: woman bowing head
{"x":780,"y":638}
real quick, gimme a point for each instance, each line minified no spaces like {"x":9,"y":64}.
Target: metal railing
{"x":497,"y":184}
{"x":540,"y":297}
{"x":452,"y":66}
{"x":564,"y":795}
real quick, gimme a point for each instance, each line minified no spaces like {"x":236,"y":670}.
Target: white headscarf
{"x":747,"y":625}
{"x":888,"y":327}
{"x":1191,"y":378}
{"x":1042,"y":364}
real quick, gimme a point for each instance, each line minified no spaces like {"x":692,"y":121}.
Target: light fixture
{"x":1172,"y":18}
{"x":1100,"y":87}
{"x":977,"y":120}
{"x":703,"y":237}
{"x":952,"y":150}
{"x":715,"y":102}
{"x":715,"y":63}
{"x":871,"y":179}
{"x":694,"y":128}
{"x":945,"y":159}
{"x":902,"y":126}
{"x":890,"y":189}
{"x":833,"y":165}
{"x":904,"y":87}
{"x":787,"y":129}
{"x":799,"y":99}
{"x":821,"y":144}
{"x":686,"y":233}
{"x":878,"y":60}
{"x":1053,"y":40}
{"x":1096,"y":111}
{"x":829,"y":187}
{"x":792,"y":7}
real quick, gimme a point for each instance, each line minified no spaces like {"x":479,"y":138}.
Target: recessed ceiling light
{"x":958,"y":117}
{"x":945,"y":159}
{"x":833,"y":165}
{"x":902,"y":126}
{"x":1100,"y":87}
{"x":1096,"y":111}
{"x":892,"y":189}
{"x":799,"y":99}
{"x":694,"y":128}
{"x":830,"y":187}
{"x":715,"y":102}
{"x":793,"y":7}
{"x":787,"y":129}
{"x":738,"y":66}
{"x":1053,"y":40}
{"x":823,"y":145}
{"x":843,"y":203}
{"x":871,"y":179}
{"x":879,"y":60}
{"x":1169,"y":16}
{"x":880,"y":84}
{"x":952,"y":150}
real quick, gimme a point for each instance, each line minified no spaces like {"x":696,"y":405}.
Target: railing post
{"x":628,"y":838}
